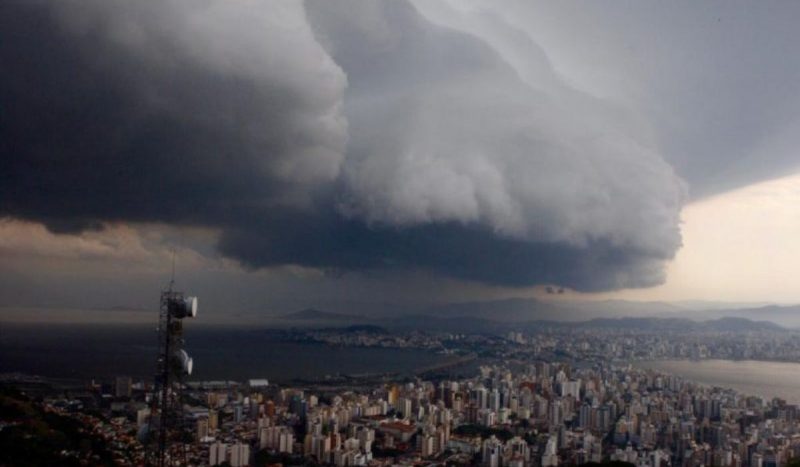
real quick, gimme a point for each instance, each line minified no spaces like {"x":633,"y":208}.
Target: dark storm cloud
{"x":465,"y":252}
{"x":368,"y":139}
{"x":444,"y":132}
{"x":133,"y":111}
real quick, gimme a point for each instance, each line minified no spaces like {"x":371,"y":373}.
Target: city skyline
{"x":428,"y":233}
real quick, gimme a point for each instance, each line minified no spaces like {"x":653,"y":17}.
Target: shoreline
{"x":759,"y":378}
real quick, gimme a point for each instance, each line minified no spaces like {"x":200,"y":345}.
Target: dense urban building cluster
{"x":623,"y":339}
{"x":659,"y":343}
{"x":523,"y":414}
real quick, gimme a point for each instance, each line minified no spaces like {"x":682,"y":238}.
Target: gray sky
{"x":347,"y":153}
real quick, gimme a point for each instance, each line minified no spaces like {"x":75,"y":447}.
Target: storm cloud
{"x":715,"y":86}
{"x":171,"y":111}
{"x":343,"y":136}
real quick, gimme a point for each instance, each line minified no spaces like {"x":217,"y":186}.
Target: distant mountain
{"x":624,"y":307}
{"x":742,"y":324}
{"x":529,"y":309}
{"x":530,"y":313}
{"x":364,"y":329}
{"x":510,"y":310}
{"x":652,"y":324}
{"x":682,"y":324}
{"x":784,"y":315}
{"x":311,"y":314}
{"x":707,"y":305}
{"x":424,"y":322}
{"x":641,"y":324}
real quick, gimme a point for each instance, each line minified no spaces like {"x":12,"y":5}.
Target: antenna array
{"x":167,"y":435}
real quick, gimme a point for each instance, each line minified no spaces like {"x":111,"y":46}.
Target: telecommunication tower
{"x":166,"y":434}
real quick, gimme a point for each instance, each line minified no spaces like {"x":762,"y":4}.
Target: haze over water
{"x":750,"y":377}
{"x":85,"y":352}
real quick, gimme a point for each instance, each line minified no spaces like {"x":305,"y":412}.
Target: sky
{"x":388,"y":154}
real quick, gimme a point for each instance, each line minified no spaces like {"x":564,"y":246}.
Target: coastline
{"x":766,"y":379}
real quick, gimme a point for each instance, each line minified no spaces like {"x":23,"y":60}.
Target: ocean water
{"x":766,"y":379}
{"x":103,"y":352}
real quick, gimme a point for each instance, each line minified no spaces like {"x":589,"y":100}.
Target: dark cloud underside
{"x":470,"y":253}
{"x":101,"y":128}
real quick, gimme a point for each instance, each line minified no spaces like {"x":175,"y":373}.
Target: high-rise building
{"x":366,"y":437}
{"x":286,"y":441}
{"x":213,"y":420}
{"x":217,"y":453}
{"x":427,"y":445}
{"x":585,"y":416}
{"x":494,"y":400}
{"x":491,"y":452}
{"x":571,"y":388}
{"x":123,"y":386}
{"x":405,"y":407}
{"x":269,"y":409}
{"x":392,"y":396}
{"x":556,"y":413}
{"x":202,"y":428}
{"x":550,"y":456}
{"x":142,"y":416}
{"x":516,"y":449}
{"x":240,"y":455}
{"x":319,"y":446}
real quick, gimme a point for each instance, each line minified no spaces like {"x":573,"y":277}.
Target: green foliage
{"x":13,"y":408}
{"x":39,"y":438}
{"x":529,"y":438}
{"x":385,"y":453}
